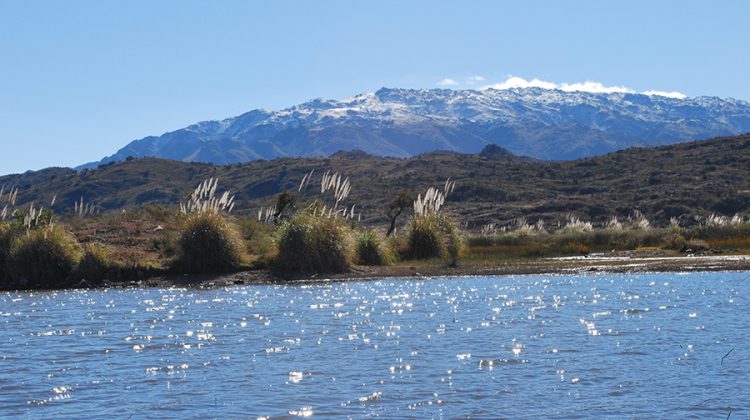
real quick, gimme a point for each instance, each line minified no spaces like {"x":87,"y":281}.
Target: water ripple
{"x":647,"y":345}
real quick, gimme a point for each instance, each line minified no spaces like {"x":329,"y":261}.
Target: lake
{"x":671,"y":345}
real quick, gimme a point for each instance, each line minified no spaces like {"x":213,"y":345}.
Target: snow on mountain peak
{"x":532,"y":118}
{"x":515,"y":82}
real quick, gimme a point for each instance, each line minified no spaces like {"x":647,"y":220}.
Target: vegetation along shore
{"x":154,"y":222}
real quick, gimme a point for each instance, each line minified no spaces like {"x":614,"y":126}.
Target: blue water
{"x":546,"y":346}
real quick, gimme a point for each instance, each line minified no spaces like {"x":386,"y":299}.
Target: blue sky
{"x":80,"y":79}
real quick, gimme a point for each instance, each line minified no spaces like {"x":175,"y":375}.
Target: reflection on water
{"x":654,"y":345}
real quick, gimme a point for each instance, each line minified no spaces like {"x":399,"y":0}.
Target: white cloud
{"x":447,"y":82}
{"x":675,"y":95}
{"x":588,"y":86}
{"x":519,"y":82}
{"x":593,"y":87}
{"x":474,"y":79}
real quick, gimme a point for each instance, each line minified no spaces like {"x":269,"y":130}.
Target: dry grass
{"x":314,"y":244}
{"x":95,"y":265}
{"x":208,"y":243}
{"x":204,"y":199}
{"x":374,"y":249}
{"x":43,"y":258}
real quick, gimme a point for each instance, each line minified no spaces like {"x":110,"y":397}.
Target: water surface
{"x":649,"y":345}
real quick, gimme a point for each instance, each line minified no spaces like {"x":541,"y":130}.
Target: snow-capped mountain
{"x":541,"y":123}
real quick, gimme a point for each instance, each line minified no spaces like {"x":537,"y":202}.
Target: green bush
{"x":313,"y":244}
{"x":453,"y":247}
{"x":95,"y":265}
{"x":433,"y":236}
{"x":43,"y":258}
{"x":372,"y":249}
{"x":7,"y":234}
{"x":258,"y":236}
{"x":674,"y":242}
{"x":207,"y":243}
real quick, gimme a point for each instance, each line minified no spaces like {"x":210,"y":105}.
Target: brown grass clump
{"x":43,"y":258}
{"x":433,"y":235}
{"x":7,"y":235}
{"x":95,"y":265}
{"x":374,"y":249}
{"x":314,"y":244}
{"x":207,"y":243}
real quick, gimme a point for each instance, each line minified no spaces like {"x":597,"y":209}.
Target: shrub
{"x":95,"y":265}
{"x":207,"y":243}
{"x":574,"y":247}
{"x":7,"y":235}
{"x":453,"y":248}
{"x":674,"y":242}
{"x":433,"y":235}
{"x":313,"y":244}
{"x":258,"y":236}
{"x":696,"y":245}
{"x":424,"y":238}
{"x":372,"y":249}
{"x":43,"y":258}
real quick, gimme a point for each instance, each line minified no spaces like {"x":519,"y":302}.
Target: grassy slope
{"x":682,"y":180}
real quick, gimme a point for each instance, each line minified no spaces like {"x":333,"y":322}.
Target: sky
{"x":80,"y":79}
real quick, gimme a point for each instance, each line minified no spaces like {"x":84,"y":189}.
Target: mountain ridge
{"x":541,"y":123}
{"x":683,"y":181}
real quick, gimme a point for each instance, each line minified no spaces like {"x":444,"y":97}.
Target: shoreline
{"x":600,"y":263}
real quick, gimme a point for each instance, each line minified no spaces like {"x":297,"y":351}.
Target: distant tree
{"x":397,"y":206}
{"x":284,"y":201}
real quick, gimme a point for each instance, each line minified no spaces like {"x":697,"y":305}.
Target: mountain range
{"x":534,"y":122}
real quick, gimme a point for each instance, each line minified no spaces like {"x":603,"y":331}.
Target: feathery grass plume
{"x":639,"y":221}
{"x":305,"y":180}
{"x":613,"y":223}
{"x":83,"y":209}
{"x":432,"y":233}
{"x":374,"y":249}
{"x":574,"y":224}
{"x":488,"y":229}
{"x":433,"y":199}
{"x":341,"y":187}
{"x":207,"y":243}
{"x":311,"y":243}
{"x":266,"y":214}
{"x":449,"y":186}
{"x":34,"y":218}
{"x":43,"y":258}
{"x":715,"y":220}
{"x":522,"y":227}
{"x":10,"y":201}
{"x":12,"y":196}
{"x":204,"y":200}
{"x":431,"y":203}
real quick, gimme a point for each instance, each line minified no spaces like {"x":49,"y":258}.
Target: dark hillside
{"x":684,"y":180}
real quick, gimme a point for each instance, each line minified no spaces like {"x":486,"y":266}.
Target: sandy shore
{"x":599,"y":263}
